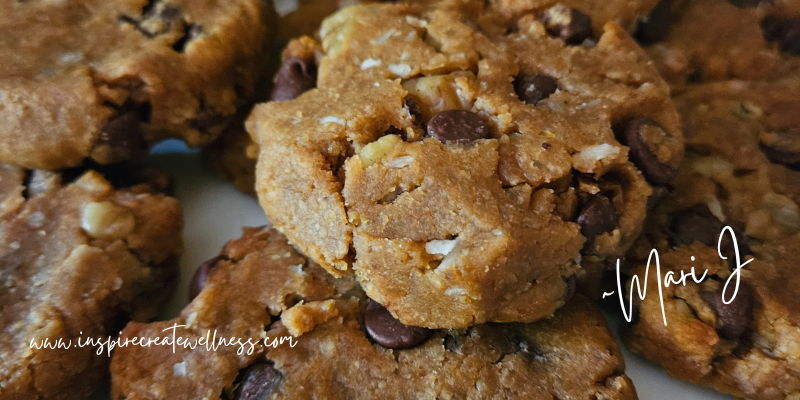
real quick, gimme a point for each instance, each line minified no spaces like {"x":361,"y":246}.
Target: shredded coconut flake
{"x":386,"y":35}
{"x":400,"y":162}
{"x":179,"y":369}
{"x":401,"y":70}
{"x":443,"y":247}
{"x":369,"y":63}
{"x":599,"y":152}
{"x":334,"y":120}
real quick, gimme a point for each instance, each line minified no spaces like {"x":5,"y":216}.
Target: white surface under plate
{"x":215,"y":212}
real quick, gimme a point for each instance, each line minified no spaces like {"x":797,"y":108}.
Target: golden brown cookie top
{"x":262,"y":288}
{"x":103,"y":79}
{"x":77,"y":260}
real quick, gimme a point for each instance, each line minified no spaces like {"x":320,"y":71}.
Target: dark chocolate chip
{"x":786,"y":157}
{"x":533,"y":88}
{"x":384,"y":329}
{"x":567,"y":24}
{"x":458,"y":126}
{"x":655,"y":26}
{"x":734,"y":318}
{"x":121,"y":138}
{"x":695,"y":224}
{"x":784,"y":31}
{"x":257,"y":382}
{"x":646,"y":139}
{"x":569,"y":290}
{"x":204,"y":271}
{"x":414,"y":111}
{"x":597,"y":216}
{"x":296,"y":76}
{"x":746,"y":3}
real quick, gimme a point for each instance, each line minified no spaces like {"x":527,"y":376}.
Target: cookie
{"x":626,"y":13}
{"x":78,"y":259}
{"x":463,"y":173}
{"x":712,"y":40}
{"x":348,"y":347}
{"x":740,"y":170}
{"x":102,"y":80}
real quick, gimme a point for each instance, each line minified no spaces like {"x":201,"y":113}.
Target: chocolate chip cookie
{"x":626,"y":13}
{"x":349,"y":347}
{"x":78,"y":259}
{"x":463,"y":172}
{"x":101,"y":80}
{"x":741,"y":170}
{"x":712,"y":40}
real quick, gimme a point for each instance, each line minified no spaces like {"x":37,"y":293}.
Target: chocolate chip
{"x":567,"y":24}
{"x":746,"y":3}
{"x":733,"y":318}
{"x":784,"y":31}
{"x":597,"y":216}
{"x":783,"y":156}
{"x":569,"y":290}
{"x":458,"y":126}
{"x":648,"y":141}
{"x":257,"y":382}
{"x":204,"y":271}
{"x":655,"y":26}
{"x":296,"y":76}
{"x":384,"y":329}
{"x":695,"y":224}
{"x":533,"y":88}
{"x":121,"y":138}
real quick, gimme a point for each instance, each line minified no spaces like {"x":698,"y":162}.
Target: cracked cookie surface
{"x":738,"y":171}
{"x":460,"y":171}
{"x":102,"y":80}
{"x":262,"y":287}
{"x":716,"y":40}
{"x":77,"y":260}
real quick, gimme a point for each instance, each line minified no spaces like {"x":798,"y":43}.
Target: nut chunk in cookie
{"x":740,"y":170}
{"x":345,"y":346}
{"x":462,"y":171}
{"x":77,"y":261}
{"x":104,"y":79}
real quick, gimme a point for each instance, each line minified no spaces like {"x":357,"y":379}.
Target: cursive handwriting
{"x":669,"y":278}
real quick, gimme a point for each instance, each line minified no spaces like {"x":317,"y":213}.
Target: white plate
{"x":215,"y":212}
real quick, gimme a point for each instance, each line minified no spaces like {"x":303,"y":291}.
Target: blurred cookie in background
{"x":711,"y":40}
{"x":103,"y":80}
{"x":742,"y":169}
{"x":79,"y":258}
